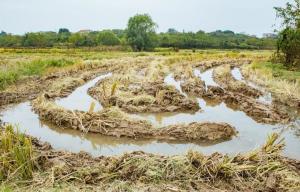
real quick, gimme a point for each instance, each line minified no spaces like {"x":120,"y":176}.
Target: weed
{"x":113,"y":89}
{"x":16,"y":155}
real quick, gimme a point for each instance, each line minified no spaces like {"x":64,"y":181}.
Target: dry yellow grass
{"x":284,"y":90}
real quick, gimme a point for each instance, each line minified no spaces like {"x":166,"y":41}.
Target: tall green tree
{"x":141,"y":33}
{"x":288,"y":44}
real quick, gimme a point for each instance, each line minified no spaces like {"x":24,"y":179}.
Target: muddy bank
{"x":204,"y":65}
{"x":113,"y":122}
{"x":110,"y":121}
{"x":259,"y":170}
{"x":235,"y":94}
{"x":194,"y":86}
{"x":143,"y":96}
{"x":258,"y":111}
{"x":200,"y":131}
{"x":275,"y":86}
{"x":223,"y":76}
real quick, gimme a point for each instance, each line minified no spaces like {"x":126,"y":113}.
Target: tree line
{"x":139,"y":37}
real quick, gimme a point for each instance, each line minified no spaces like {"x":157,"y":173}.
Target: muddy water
{"x":248,"y":137}
{"x":169,"y":80}
{"x":206,"y":76}
{"x":79,"y":99}
{"x":266,"y":98}
{"x":251,"y":134}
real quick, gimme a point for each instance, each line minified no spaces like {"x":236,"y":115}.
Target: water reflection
{"x":80,"y":99}
{"x":251,"y":134}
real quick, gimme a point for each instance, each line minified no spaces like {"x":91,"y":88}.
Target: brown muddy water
{"x":251,"y":134}
{"x":80,"y":99}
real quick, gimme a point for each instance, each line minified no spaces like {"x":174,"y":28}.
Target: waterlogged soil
{"x":265,"y":98}
{"x":79,"y":99}
{"x":251,"y":134}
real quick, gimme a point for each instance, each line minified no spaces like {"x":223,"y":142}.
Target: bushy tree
{"x":108,"y":38}
{"x":9,"y":40}
{"x":63,"y":35}
{"x":40,"y":39}
{"x":141,"y":32}
{"x":82,"y":40}
{"x":288,"y":44}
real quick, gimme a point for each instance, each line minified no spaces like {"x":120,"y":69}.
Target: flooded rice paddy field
{"x":250,"y":133}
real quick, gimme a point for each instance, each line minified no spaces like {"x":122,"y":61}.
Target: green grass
{"x":38,"y":67}
{"x":277,"y":70}
{"x":12,"y":73}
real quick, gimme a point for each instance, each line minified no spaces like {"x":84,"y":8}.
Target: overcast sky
{"x":249,"y":16}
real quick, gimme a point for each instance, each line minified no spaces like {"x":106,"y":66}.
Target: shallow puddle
{"x":169,"y":80}
{"x":80,"y":99}
{"x":236,"y":73}
{"x":206,"y":76}
{"x":266,"y":98}
{"x":251,"y":134}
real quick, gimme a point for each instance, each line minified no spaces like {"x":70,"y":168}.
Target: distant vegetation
{"x":288,"y":44}
{"x":140,"y":35}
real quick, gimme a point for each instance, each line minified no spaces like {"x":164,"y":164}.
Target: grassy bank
{"x":9,"y":74}
{"x":277,"y":70}
{"x":283,"y":83}
{"x":16,"y":64}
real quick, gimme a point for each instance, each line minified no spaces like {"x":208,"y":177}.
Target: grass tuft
{"x":16,"y":155}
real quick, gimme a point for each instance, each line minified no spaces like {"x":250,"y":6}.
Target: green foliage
{"x":63,"y":35}
{"x":108,"y":38}
{"x":37,"y":67}
{"x":16,"y":156}
{"x":82,"y":40}
{"x":140,"y":35}
{"x":288,"y":44}
{"x":217,"y":39}
{"x":172,"y":38}
{"x":8,"y":78}
{"x":141,"y":32}
{"x":42,"y":39}
{"x":288,"y":47}
{"x":63,"y":30}
{"x":8,"y":40}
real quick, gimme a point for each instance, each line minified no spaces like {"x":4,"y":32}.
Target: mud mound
{"x":204,"y":65}
{"x":64,"y":87}
{"x":143,"y":97}
{"x":214,"y":92}
{"x":111,"y":121}
{"x":260,"y":112}
{"x":194,"y":86}
{"x":222,"y":75}
{"x":200,"y":131}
